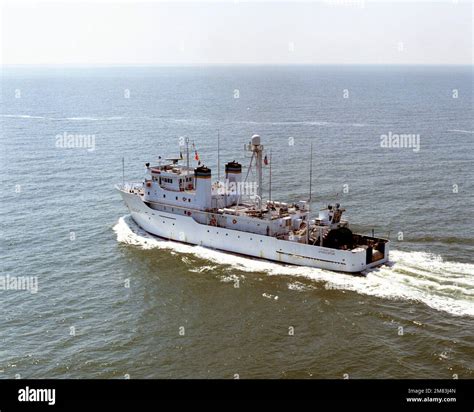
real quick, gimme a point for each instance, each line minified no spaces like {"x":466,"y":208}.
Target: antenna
{"x":270,"y":178}
{"x":310,"y":190}
{"x":310,"y":171}
{"x":187,"y":155}
{"x":218,"y":157}
{"x":123,"y":172}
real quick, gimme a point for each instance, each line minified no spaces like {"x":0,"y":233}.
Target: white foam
{"x":303,"y":123}
{"x":290,"y":123}
{"x":461,"y":131}
{"x":203,"y":269}
{"x":27,"y":116}
{"x":92,"y":118}
{"x":300,"y":287}
{"x":411,"y":276}
{"x":231,"y":278}
{"x":21,"y":116}
{"x":269,"y":296}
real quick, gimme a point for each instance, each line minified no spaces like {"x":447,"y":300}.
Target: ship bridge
{"x":171,"y":176}
{"x":178,"y":185}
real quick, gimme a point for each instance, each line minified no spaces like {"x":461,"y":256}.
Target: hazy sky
{"x":339,"y":31}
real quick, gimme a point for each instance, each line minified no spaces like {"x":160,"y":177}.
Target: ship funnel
{"x":202,"y":176}
{"x":233,"y":176}
{"x":202,"y":172}
{"x":233,"y":168}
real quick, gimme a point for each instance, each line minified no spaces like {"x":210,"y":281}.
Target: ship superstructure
{"x":182,"y":203}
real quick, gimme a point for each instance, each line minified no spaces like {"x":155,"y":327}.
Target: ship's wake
{"x":414,"y":276}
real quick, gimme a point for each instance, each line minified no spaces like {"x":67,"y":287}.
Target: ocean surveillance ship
{"x":181,"y":203}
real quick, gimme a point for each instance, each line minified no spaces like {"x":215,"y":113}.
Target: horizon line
{"x":144,"y":65}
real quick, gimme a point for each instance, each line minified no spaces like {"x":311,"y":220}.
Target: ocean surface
{"x":115,"y":302}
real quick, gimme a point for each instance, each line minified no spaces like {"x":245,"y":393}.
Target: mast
{"x":249,"y":147}
{"x":187,"y":155}
{"x":123,"y":172}
{"x":257,"y":148}
{"x":218,"y":157}
{"x":270,"y":178}
{"x":310,"y":171}
{"x":310,"y":190}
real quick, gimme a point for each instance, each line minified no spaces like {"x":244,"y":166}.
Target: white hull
{"x":185,"y":229}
